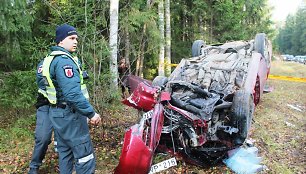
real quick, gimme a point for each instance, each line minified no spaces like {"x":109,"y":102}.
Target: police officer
{"x":70,"y":107}
{"x":43,"y":130}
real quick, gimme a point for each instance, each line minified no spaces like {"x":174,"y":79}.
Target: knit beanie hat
{"x":64,"y":31}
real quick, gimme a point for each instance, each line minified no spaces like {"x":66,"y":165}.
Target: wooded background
{"x":291,"y":37}
{"x":152,"y":33}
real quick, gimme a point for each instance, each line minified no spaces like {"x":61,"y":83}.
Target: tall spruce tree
{"x":15,"y":31}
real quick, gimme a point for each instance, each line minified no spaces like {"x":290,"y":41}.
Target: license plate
{"x":163,"y":165}
{"x":148,"y":115}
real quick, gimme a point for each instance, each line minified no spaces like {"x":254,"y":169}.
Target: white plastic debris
{"x":294,"y":107}
{"x":267,"y":89}
{"x":289,"y":124}
{"x":244,"y":160}
{"x":249,"y":142}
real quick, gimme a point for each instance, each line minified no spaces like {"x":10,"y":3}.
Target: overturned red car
{"x":202,"y":110}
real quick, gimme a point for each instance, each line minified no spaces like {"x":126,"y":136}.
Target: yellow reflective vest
{"x":50,"y":92}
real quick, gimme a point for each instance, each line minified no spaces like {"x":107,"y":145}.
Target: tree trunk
{"x":85,"y":32}
{"x":142,"y":49}
{"x":161,"y":71}
{"x":137,"y":66}
{"x":201,"y":26}
{"x":127,"y":50}
{"x":211,"y":27}
{"x":113,"y":39}
{"x":140,"y":60}
{"x":94,"y":54}
{"x":184,"y":19}
{"x":168,"y":38}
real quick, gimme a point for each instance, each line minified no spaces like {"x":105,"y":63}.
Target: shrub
{"x":18,"y":89}
{"x":104,"y":95}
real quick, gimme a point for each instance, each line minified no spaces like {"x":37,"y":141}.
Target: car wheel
{"x":197,"y":48}
{"x":159,"y":81}
{"x":260,"y":44}
{"x":241,"y":115}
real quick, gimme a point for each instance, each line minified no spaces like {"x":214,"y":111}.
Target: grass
{"x":282,"y":68}
{"x":15,"y":145}
{"x":279,"y":132}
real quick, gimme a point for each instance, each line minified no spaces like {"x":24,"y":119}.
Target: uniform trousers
{"x":73,"y":141}
{"x":43,"y":133}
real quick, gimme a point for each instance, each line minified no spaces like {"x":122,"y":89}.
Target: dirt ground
{"x":278,"y":131}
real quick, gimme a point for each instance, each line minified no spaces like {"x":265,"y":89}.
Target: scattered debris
{"x":250,"y":142}
{"x":244,"y":160}
{"x":268,"y":89}
{"x":289,"y":124}
{"x":295,"y":107}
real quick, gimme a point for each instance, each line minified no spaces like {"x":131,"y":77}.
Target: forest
{"x":291,"y":37}
{"x":149,"y":31}
{"x":28,"y":30}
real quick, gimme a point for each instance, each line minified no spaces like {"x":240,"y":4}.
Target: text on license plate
{"x":148,"y":114}
{"x":163,"y":165}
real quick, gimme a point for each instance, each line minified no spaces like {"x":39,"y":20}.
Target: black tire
{"x":197,"y":46}
{"x":241,"y":115}
{"x":260,"y":43}
{"x":160,"y":81}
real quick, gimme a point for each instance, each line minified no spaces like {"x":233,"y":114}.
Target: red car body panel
{"x":135,"y":157}
{"x":142,"y":97}
{"x":140,"y":143}
{"x":132,"y":82}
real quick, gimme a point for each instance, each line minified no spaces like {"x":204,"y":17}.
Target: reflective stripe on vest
{"x":50,"y":89}
{"x":85,"y":91}
{"x":43,"y":92}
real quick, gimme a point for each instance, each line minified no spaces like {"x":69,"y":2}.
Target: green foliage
{"x":291,"y":38}
{"x":240,"y":20}
{"x":212,"y":21}
{"x":216,"y":22}
{"x":26,"y":38}
{"x":15,"y":20}
{"x":102,"y":92}
{"x":18,"y":89}
{"x":140,"y":21}
{"x":103,"y":95}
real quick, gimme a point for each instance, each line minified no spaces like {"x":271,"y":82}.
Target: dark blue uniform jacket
{"x":66,"y":79}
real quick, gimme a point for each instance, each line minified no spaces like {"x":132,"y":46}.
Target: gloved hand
{"x":96,"y":119}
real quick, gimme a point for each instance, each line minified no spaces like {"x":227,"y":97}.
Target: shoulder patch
{"x":39,"y":70}
{"x":68,"y":71}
